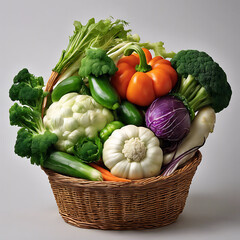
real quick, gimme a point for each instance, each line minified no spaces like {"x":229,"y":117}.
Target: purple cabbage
{"x":168,"y":118}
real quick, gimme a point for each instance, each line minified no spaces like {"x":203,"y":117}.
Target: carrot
{"x":114,"y":178}
{"x":101,"y":169}
{"x":107,"y":176}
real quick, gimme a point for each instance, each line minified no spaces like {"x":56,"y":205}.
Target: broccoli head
{"x":202,"y":81}
{"x":97,"y":63}
{"x":33,"y":145}
{"x":33,"y":139}
{"x":27,"y":89}
{"x":23,"y":143}
{"x":41,"y":146}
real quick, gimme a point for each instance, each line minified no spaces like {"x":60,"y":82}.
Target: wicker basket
{"x":140,"y":204}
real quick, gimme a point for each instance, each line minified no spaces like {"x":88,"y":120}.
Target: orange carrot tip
{"x":107,"y":175}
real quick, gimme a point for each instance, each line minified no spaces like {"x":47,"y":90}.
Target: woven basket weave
{"x":140,"y":204}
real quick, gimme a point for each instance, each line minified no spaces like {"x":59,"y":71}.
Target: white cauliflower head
{"x":74,"y":116}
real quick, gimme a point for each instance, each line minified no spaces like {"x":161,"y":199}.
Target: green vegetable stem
{"x":110,"y":127}
{"x":69,"y":165}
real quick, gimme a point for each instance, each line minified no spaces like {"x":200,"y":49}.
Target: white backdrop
{"x":33,"y":34}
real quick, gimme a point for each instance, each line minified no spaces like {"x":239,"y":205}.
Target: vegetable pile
{"x":112,"y":111}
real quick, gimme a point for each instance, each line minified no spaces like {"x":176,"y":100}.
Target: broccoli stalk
{"x":33,"y":140}
{"x":202,"y":81}
{"x":26,"y":117}
{"x":195,"y":94}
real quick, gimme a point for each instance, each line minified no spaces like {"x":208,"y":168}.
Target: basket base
{"x":126,"y":226}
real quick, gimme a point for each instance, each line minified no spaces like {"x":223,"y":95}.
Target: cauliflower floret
{"x":75,"y":116}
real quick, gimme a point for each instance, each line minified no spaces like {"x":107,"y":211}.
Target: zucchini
{"x":103,"y":92}
{"x":129,"y":114}
{"x":69,"y":165}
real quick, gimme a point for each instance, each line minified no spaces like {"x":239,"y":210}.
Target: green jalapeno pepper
{"x":108,"y":129}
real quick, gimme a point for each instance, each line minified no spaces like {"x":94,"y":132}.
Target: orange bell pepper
{"x":141,"y":79}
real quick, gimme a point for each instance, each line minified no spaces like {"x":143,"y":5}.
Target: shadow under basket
{"x":140,"y":204}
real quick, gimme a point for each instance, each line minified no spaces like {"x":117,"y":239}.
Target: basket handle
{"x":49,"y":87}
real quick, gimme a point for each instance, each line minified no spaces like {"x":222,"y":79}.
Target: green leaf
{"x":102,"y":34}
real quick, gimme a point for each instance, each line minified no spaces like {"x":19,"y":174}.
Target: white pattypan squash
{"x":133,"y":152}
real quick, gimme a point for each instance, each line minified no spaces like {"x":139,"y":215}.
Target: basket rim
{"x":146,"y":182}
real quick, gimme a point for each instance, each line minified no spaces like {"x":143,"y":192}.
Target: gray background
{"x":33,"y":33}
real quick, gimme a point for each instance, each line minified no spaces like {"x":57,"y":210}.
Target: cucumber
{"x":71,"y":84}
{"x":103,"y":92}
{"x":69,"y":165}
{"x":129,"y":114}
